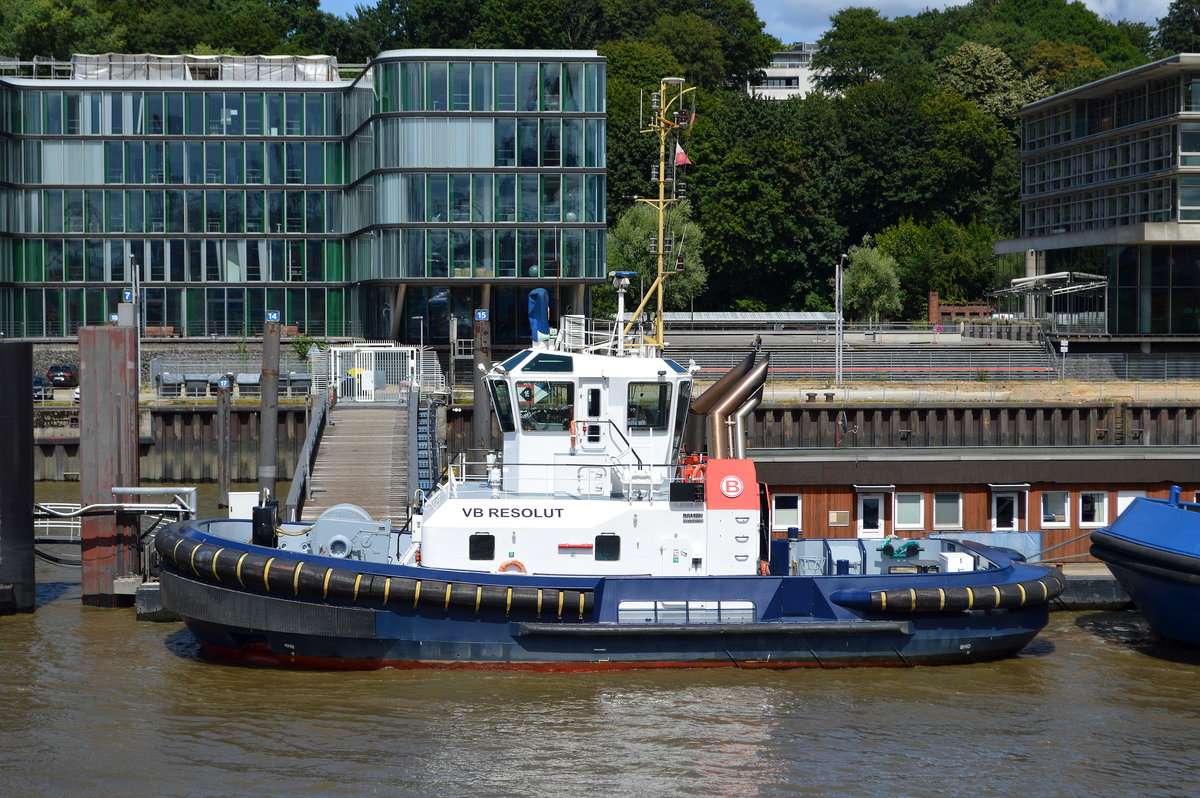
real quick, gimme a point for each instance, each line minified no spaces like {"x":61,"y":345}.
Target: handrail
{"x":298,"y":492}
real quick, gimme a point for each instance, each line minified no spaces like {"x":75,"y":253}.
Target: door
{"x":1005,"y":516}
{"x":870,"y":515}
{"x":591,"y":426}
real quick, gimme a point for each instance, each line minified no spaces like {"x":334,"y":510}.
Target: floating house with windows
{"x":377,"y":201}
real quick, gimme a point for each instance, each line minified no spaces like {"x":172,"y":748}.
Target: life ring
{"x":764,"y":568}
{"x":512,"y":567}
{"x":572,"y":428}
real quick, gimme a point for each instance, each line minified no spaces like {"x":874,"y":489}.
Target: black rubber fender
{"x":280,"y":574}
{"x":1012,"y":595}
{"x":1110,"y":548}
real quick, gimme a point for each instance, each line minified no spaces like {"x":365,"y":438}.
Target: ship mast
{"x":667,"y":116}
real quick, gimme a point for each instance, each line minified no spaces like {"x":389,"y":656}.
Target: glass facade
{"x":1111,"y":186}
{"x":321,"y":198}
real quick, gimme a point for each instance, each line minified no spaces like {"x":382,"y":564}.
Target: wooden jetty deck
{"x":362,"y":460}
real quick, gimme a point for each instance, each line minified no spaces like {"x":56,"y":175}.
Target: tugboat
{"x":1153,"y":549}
{"x":595,"y":539}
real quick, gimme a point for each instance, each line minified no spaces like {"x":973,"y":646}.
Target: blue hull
{"x":381,"y":619}
{"x":1153,"y":549}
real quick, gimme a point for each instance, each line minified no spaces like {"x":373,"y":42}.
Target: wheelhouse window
{"x":481,"y":546}
{"x":1093,"y":508}
{"x":608,"y":547}
{"x":1055,"y":512}
{"x":649,"y":405}
{"x":947,"y":511}
{"x":785,"y":511}
{"x":502,"y":402}
{"x":545,"y":406}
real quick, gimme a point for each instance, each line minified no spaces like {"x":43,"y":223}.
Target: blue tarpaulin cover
{"x":539,"y":315}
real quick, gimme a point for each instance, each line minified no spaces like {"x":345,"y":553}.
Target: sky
{"x":805,"y":20}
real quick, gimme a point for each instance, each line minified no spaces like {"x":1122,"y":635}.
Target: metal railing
{"x":299,"y":492}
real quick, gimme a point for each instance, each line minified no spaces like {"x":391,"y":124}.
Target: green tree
{"x":953,"y":259}
{"x":58,"y":28}
{"x":629,"y":250}
{"x":870,"y":284}
{"x":987,"y":77}
{"x":1062,"y":65}
{"x":696,"y":45}
{"x":1179,"y":30}
{"x":859,"y":46}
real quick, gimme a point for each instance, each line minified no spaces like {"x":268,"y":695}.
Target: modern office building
{"x":1110,"y":187}
{"x":379,"y":201}
{"x":788,"y":75}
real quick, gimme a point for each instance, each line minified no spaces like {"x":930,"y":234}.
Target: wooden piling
{"x":108,"y":455}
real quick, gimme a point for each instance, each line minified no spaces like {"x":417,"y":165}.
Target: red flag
{"x":681,"y":158}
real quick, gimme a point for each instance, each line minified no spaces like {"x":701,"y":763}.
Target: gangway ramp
{"x":362,"y":460}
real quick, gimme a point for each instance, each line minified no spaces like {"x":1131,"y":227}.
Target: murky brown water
{"x":96,"y":703}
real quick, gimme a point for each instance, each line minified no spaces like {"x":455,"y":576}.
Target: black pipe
{"x":17,"y":581}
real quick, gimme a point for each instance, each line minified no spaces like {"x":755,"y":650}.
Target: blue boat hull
{"x":1153,"y":549}
{"x":266,"y":618}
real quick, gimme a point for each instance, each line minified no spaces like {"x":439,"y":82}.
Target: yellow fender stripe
{"x":214,"y":563}
{"x":508,"y":602}
{"x":267,"y":574}
{"x":970,"y":598}
{"x":192,"y":558}
{"x":296,"y":579}
{"x":1045,"y":590}
{"x":1024,"y":596}
{"x":539,"y":605}
{"x":325,"y":584}
{"x":883,"y":599}
{"x":581,"y":604}
{"x":357,"y":582}
{"x":561,"y":598}
{"x":478,"y":596}
{"x":941,"y":598}
{"x":175,"y":551}
{"x":239,"y":568}
{"x":449,"y":587}
{"x":997,"y":589}
{"x":912,"y":598}
{"x":417,"y":593}
{"x":387,"y":588}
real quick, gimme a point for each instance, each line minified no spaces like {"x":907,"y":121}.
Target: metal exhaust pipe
{"x":746,"y":387}
{"x":738,"y":444}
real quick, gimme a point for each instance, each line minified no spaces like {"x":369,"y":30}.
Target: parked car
{"x":75,"y":396}
{"x":42,"y":390}
{"x":63,"y":375}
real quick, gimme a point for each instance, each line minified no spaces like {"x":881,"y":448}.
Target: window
{"x":608,"y":547}
{"x":910,"y":511}
{"x":947,"y":511}
{"x":545,"y":406}
{"x":502,"y":402}
{"x":1054,"y":508}
{"x":649,"y":405}
{"x":785,"y":511}
{"x":1093,"y":508}
{"x":481,"y":546}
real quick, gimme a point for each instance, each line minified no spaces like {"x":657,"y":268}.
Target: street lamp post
{"x":137,"y":316}
{"x":838,"y":333}
{"x":420,"y":320}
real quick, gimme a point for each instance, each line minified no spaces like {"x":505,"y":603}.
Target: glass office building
{"x":378,"y":204}
{"x":1110,"y":185}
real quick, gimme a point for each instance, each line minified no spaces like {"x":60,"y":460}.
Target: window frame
{"x":1066,"y":507}
{"x":1103,"y":507}
{"x":896,"y":522}
{"x":776,"y":526}
{"x":958,"y":522}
